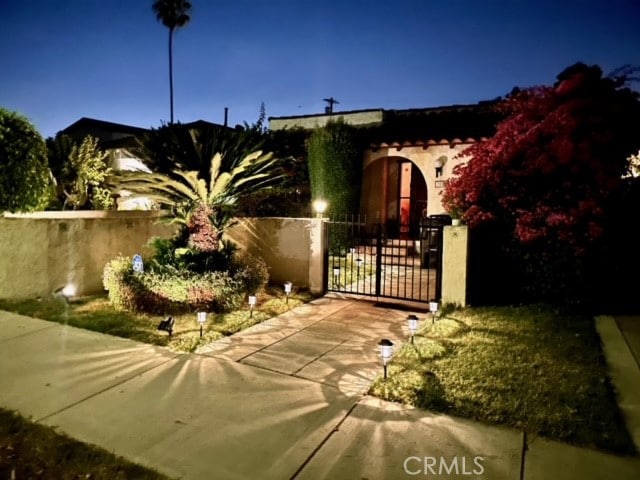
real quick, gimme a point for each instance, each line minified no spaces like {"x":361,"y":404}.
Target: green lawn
{"x":96,"y":313}
{"x":531,"y":368}
{"x":29,"y":450}
{"x":349,"y":272}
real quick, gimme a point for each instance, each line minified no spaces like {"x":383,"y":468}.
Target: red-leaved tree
{"x":542,"y":195}
{"x":553,"y":162}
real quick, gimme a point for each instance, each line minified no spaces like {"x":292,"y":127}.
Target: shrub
{"x":119,"y":280}
{"x":24,"y":172}
{"x":251,"y":271}
{"x":175,"y":291}
{"x":334,"y":167}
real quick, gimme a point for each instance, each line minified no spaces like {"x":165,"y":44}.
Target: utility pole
{"x":331,"y":101}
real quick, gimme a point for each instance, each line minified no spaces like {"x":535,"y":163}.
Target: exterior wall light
{"x":252,"y":303}
{"x":202,"y":318}
{"x":386,"y":352}
{"x":320,"y":206}
{"x":287,"y":290}
{"x":412,"y":322}
{"x":438,"y":164}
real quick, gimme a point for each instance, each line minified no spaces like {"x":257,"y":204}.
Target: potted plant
{"x":456,"y":214}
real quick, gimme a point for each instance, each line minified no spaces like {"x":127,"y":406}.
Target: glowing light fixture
{"x":412,"y":322}
{"x":433,"y":308}
{"x":287,"y":290}
{"x":320,"y":206}
{"x":386,"y":352}
{"x":202,"y":318}
{"x":252,"y":303}
{"x":68,"y":291}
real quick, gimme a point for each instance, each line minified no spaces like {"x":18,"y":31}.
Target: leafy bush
{"x":24,"y":171}
{"x":175,"y":289}
{"x":119,"y":280}
{"x":251,"y":271}
{"x":334,"y":167}
{"x":538,"y":195}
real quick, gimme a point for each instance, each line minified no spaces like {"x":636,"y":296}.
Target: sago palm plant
{"x":204,"y":206}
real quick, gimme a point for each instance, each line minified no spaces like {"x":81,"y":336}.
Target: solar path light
{"x":386,"y":352}
{"x":433,"y":308}
{"x":412,"y":322}
{"x":252,"y":304}
{"x":359,"y":262}
{"x":287,"y":290}
{"x":202,"y":318}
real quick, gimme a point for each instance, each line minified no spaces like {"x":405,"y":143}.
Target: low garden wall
{"x":44,"y":251}
{"x":291,"y":247}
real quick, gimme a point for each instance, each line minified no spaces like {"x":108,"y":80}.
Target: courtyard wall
{"x":44,"y":251}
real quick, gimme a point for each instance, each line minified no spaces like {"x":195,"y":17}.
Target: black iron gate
{"x":378,"y":260}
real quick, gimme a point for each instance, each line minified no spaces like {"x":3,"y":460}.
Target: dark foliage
{"x":545,"y":196}
{"x":24,"y":173}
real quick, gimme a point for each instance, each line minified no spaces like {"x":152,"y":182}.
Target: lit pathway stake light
{"x":386,"y":352}
{"x":412,"y":321}
{"x":287,"y":291}
{"x":202,"y":317}
{"x":336,"y":276}
{"x":359,"y":263}
{"x":433,"y":308}
{"x":252,"y":304}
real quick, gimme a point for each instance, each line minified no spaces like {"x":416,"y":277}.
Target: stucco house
{"x":411,"y":154}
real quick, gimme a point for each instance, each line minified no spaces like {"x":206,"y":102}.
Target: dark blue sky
{"x":107,"y":59}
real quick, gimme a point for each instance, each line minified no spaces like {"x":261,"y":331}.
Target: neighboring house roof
{"x":113,"y":135}
{"x":109,"y":134}
{"x":448,"y":124}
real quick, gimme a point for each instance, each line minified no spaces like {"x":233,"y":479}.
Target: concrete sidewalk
{"x":282,"y":400}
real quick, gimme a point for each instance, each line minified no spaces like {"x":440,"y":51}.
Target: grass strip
{"x":29,"y":450}
{"x":532,"y":368}
{"x":97,"y":314}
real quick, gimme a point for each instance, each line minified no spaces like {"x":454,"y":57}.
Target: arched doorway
{"x":394,"y":193}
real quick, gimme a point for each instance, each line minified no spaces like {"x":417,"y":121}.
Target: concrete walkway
{"x":279,"y":401}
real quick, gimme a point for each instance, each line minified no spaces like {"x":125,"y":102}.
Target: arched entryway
{"x":394,"y":193}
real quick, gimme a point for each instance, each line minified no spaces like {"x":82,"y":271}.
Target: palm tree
{"x":204,"y":206}
{"x":173,"y":14}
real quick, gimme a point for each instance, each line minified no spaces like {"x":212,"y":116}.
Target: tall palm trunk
{"x":171,"y":74}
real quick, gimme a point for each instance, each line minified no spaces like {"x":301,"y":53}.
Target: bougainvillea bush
{"x":539,"y":195}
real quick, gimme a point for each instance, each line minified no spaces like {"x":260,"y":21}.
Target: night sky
{"x":107,"y":59}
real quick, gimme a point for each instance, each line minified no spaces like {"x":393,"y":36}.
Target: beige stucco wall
{"x":291,"y":247}
{"x":424,"y":158}
{"x":454,"y":264}
{"x":369,"y":117}
{"x":44,"y":251}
